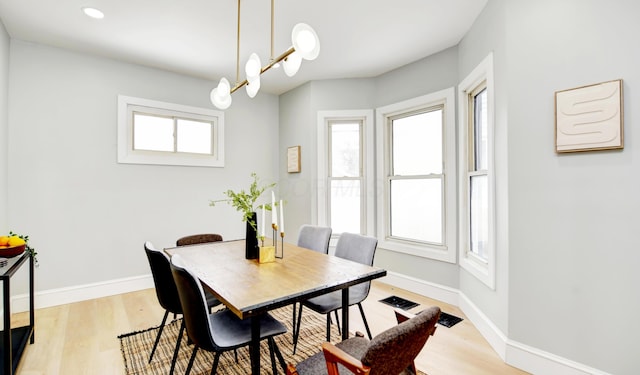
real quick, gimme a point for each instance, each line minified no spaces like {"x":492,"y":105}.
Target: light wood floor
{"x":81,"y":338}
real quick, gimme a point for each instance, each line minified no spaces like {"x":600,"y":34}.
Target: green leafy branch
{"x":244,"y":201}
{"x":30,"y":250}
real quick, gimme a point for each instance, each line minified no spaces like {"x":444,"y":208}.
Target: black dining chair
{"x":167,"y":295}
{"x":357,"y":248}
{"x":222,"y":330}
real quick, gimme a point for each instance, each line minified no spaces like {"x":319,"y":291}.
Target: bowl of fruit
{"x":11,"y":246}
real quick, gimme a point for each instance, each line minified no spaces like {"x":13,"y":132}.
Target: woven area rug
{"x":136,"y":347}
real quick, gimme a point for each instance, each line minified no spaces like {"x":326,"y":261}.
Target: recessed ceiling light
{"x":93,"y":12}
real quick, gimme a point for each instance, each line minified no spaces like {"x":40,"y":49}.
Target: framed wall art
{"x":293,"y":159}
{"x":590,"y":118}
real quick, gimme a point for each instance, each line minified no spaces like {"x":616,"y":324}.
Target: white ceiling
{"x":358,"y":38}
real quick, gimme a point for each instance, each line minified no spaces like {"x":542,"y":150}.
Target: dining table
{"x":250,"y":288}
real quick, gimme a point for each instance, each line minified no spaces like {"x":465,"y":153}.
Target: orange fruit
{"x":4,"y":240}
{"x":15,"y":241}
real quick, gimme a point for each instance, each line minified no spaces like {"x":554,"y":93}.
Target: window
{"x":345,"y":162}
{"x":151,"y":132}
{"x":345,"y":176}
{"x":477,"y":213}
{"x":416,"y":169}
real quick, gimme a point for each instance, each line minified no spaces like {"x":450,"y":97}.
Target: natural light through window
{"x":477,"y":218}
{"x":151,"y":132}
{"x":345,"y":179}
{"x":416,"y":176}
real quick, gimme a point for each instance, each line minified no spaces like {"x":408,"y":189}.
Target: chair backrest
{"x":194,"y":305}
{"x":315,"y":238}
{"x":162,"y":279}
{"x":393,"y":350}
{"x":198,"y":238}
{"x":361,"y":249}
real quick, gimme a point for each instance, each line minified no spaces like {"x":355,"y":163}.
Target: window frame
{"x":324,"y":118}
{"x":480,"y":76}
{"x":445,"y":252}
{"x":127,"y":106}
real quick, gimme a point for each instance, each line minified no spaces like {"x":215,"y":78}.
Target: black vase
{"x":251,"y":250}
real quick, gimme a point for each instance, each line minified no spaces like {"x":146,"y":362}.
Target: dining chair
{"x":167,"y":294}
{"x":222,"y":330}
{"x":198,"y":238}
{"x":314,"y":238}
{"x":357,"y":248}
{"x":391,"y":352}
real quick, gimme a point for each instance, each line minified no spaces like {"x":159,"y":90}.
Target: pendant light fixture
{"x":305,"y":46}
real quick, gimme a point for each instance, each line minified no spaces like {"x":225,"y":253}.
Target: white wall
{"x":4,"y":141}
{"x":573,"y":263}
{"x":87,"y":215}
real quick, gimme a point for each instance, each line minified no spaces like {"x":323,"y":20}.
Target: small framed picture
{"x":590,"y":118}
{"x":293,"y":159}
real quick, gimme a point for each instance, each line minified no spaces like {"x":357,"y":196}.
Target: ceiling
{"x":358,"y":38}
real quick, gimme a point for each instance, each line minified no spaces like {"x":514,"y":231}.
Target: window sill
{"x":441,"y":253}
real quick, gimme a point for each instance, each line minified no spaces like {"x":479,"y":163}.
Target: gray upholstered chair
{"x":357,"y":248}
{"x":167,"y":294}
{"x":198,"y":238}
{"x":391,"y":352}
{"x":314,"y":238}
{"x":222,"y":330}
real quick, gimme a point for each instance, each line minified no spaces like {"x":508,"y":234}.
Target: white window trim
{"x":323,"y":118}
{"x":447,"y":252}
{"x":485,"y":271}
{"x":127,"y":155}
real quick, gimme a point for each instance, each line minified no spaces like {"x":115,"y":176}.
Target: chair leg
{"x":216,"y":359}
{"x":337,"y":321}
{"x":177,"y":349}
{"x":280,"y":357}
{"x":328,"y":327}
{"x":274,"y":369}
{"x":155,"y":345}
{"x":296,"y":330}
{"x":366,"y":325}
{"x":193,"y":356}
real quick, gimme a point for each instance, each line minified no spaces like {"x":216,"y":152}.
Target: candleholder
{"x":281,"y":256}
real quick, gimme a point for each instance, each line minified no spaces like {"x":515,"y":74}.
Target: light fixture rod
{"x":278,"y":59}
{"x":238,"y":47}
{"x":272,"y":7}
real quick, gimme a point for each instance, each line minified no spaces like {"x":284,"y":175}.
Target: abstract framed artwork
{"x":293,"y":159}
{"x":590,"y":118}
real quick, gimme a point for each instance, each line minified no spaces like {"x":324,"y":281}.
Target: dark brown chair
{"x":391,"y":352}
{"x":198,"y":238}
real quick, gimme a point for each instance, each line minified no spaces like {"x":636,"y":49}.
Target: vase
{"x":252,"y":250}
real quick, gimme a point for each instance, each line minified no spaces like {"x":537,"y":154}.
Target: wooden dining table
{"x":249,"y":288}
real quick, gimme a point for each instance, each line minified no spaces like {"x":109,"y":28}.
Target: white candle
{"x":281,"y":217}
{"x":262,"y":224}
{"x":274,"y":217}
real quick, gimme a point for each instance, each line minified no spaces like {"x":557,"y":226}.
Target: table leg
{"x":254,"y":347}
{"x":8,"y":355}
{"x":345,"y":313}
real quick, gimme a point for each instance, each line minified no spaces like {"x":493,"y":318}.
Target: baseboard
{"x":63,"y":296}
{"x":513,"y":353}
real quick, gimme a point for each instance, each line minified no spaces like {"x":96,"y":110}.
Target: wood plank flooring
{"x":81,"y":338}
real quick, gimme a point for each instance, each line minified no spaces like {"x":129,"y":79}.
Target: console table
{"x":14,"y":340}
